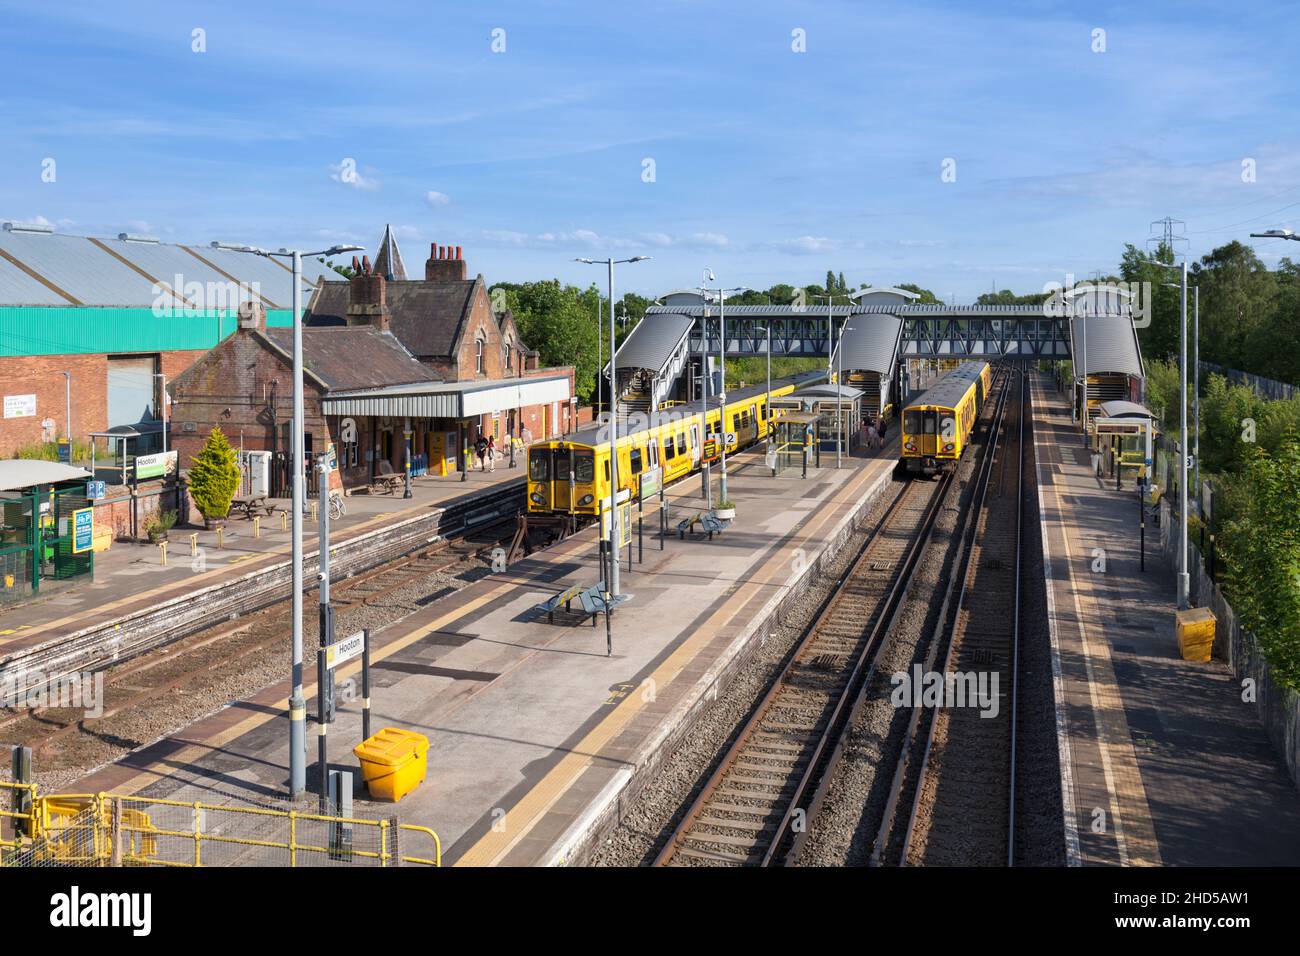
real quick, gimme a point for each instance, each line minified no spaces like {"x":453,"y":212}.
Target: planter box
{"x":724,"y":514}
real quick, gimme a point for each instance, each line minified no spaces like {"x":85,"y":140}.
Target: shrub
{"x":214,"y":476}
{"x":159,"y":522}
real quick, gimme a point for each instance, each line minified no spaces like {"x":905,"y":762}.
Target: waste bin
{"x":1195,"y":629}
{"x":393,"y":762}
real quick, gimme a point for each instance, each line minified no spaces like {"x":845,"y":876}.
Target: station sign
{"x":83,"y":530}
{"x":95,"y":490}
{"x":157,"y":465}
{"x":710,"y":452}
{"x":651,"y":481}
{"x":20,"y":406}
{"x":343,"y":651}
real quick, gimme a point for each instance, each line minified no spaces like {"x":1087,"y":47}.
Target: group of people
{"x":875,"y":428}
{"x":486,"y":449}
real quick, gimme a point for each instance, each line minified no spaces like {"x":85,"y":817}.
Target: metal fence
{"x":114,"y":830}
{"x":1269,"y":388}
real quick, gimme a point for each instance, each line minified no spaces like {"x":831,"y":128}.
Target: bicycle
{"x":338,"y":508}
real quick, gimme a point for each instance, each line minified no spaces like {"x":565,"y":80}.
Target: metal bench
{"x":592,"y":600}
{"x":564,"y":597}
{"x":709,"y":523}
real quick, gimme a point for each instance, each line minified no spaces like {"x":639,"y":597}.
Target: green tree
{"x":1262,"y":547}
{"x":926,"y":296}
{"x":214,"y":476}
{"x":560,"y":322}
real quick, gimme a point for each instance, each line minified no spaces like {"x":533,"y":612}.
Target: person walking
{"x":873,"y":437}
{"x":492,"y":452}
{"x":480,"y":449}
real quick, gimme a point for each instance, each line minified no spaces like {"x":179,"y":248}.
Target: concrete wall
{"x":1277,"y":707}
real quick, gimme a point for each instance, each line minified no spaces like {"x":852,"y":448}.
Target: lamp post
{"x":297,"y":703}
{"x":839,"y":394}
{"x":767,"y":399}
{"x":722,"y":375}
{"x":163,"y":402}
{"x":613,"y":423}
{"x":1184,"y":582}
{"x":830,"y":356}
{"x":67,"y":411}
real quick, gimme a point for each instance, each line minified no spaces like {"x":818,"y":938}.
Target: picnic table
{"x":387,"y":480}
{"x":248,"y":505}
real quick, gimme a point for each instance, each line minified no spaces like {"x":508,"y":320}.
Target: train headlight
{"x":586,"y":500}
{"x":910,"y":446}
{"x":537,"y":498}
{"x":949,"y":446}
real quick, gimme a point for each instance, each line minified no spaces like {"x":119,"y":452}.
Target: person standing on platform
{"x":480,"y":449}
{"x":492,"y":452}
{"x":873,"y":437}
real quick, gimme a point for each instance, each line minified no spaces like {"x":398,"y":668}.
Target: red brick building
{"x":493,"y":385}
{"x":394,"y":367}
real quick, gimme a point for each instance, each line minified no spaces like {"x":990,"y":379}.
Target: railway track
{"x":222,"y":651}
{"x":956,"y":805}
{"x":754,"y":804}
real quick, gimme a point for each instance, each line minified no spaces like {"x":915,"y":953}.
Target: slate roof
{"x":351,"y":358}
{"x":426,"y":316}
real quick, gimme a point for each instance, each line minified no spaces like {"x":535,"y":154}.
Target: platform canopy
{"x":449,"y":399}
{"x":869,"y":343}
{"x":18,"y":474}
{"x":652,"y":345}
{"x":1110,"y":343}
{"x":1123,"y":409}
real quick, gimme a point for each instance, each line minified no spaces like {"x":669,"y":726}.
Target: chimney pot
{"x":251,"y":315}
{"x":458,"y":252}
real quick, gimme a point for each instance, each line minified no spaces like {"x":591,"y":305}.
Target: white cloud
{"x":349,"y":174}
{"x":714,"y":239}
{"x":435,"y":198}
{"x":808,"y":245}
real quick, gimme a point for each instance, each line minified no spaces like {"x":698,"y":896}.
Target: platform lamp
{"x":722,"y":374}
{"x":610,"y":263}
{"x":1184,"y":581}
{"x":297,"y":703}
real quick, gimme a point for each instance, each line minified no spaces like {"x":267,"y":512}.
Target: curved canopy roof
{"x":869,"y":343}
{"x":654,"y":341}
{"x":1111,"y":345}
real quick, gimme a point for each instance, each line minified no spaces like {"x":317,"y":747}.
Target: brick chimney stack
{"x":367,"y":296}
{"x":444,"y":264}
{"x":252,"y":315}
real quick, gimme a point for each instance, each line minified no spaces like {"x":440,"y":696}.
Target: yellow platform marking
{"x":1123,"y":779}
{"x":534,"y":804}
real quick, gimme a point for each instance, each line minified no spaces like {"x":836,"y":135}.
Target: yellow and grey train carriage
{"x":937,"y":424}
{"x":571,"y":475}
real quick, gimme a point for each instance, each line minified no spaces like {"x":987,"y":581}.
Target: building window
{"x":478,"y":356}
{"x":507,"y":356}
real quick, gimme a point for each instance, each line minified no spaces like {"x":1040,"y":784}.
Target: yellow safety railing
{"x":119,"y":830}
{"x":19,"y":820}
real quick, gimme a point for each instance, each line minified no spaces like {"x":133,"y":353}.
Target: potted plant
{"x":157,"y":525}
{"x":214,"y":478}
{"x":724,"y":510}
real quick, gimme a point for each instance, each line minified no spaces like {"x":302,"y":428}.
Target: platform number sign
{"x":83,"y":530}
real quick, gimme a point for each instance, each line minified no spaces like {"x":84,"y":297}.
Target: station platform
{"x":131,"y":577}
{"x":1162,"y":763}
{"x":536,"y":736}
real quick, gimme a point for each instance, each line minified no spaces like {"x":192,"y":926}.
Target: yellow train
{"x":937,"y":424}
{"x":571,"y":475}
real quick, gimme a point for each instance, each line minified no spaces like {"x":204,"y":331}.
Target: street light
{"x":613,"y":422}
{"x":722,"y":373}
{"x":839,"y":393}
{"x":830,"y":355}
{"x":1184,"y":582}
{"x":297,"y":703}
{"x":1276,"y":234}
{"x":163,"y":402}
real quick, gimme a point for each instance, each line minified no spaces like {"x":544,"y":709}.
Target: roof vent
{"x":128,"y":237}
{"x":29,"y":227}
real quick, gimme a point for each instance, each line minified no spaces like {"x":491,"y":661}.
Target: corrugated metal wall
{"x":56,"y":330}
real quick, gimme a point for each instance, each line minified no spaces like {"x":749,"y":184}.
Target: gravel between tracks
{"x":640,"y":834}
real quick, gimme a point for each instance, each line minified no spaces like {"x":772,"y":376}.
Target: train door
{"x":563,"y":494}
{"x":929,"y":439}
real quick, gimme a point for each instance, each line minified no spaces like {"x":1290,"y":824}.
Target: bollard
{"x":257,"y":526}
{"x":313,"y":513}
{"x":221,"y":537}
{"x":162,"y":549}
{"x":284,"y":521}
{"x":194,"y":544}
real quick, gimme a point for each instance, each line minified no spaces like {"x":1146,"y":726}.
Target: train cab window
{"x":635,"y":458}
{"x":539,"y":464}
{"x":912,"y":422}
{"x":584,"y":467}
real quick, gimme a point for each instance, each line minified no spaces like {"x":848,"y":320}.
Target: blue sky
{"x":770,"y":165}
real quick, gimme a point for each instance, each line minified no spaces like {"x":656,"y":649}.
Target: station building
{"x":101,"y":324}
{"x":393,"y":367}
